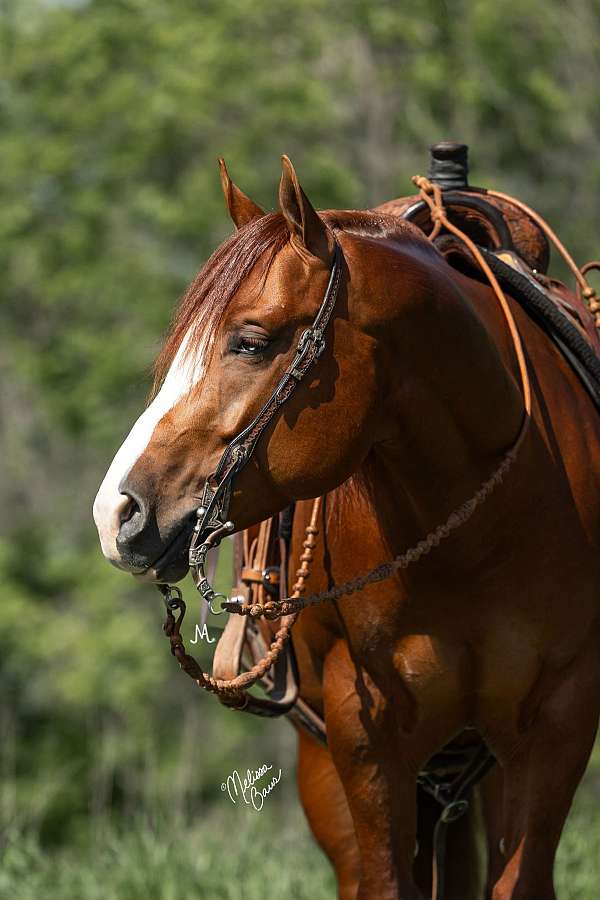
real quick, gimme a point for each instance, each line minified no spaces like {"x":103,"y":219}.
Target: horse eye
{"x":250,"y":345}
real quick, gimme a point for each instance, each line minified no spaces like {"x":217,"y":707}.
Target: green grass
{"x":578,"y":859}
{"x":236,"y":853}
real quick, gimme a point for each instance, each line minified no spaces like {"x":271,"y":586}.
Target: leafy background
{"x":112,"y":114}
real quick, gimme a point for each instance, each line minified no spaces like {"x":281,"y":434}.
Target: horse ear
{"x":241,"y":208}
{"x":304,"y":223}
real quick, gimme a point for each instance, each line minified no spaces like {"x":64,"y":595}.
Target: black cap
{"x":449,"y":165}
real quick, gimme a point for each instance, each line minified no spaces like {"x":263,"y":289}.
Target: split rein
{"x":213,"y":524}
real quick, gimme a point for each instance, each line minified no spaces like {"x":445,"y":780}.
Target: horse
{"x":413,"y":404}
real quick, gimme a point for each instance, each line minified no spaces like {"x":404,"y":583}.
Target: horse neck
{"x":452,"y":402}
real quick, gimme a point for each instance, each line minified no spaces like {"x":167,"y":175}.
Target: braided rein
{"x":234,"y":689}
{"x":274,"y":609}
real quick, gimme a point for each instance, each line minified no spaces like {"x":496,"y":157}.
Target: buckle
{"x":268,"y":582}
{"x":454,"y":810}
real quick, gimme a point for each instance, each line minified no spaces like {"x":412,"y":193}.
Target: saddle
{"x":499,"y":224}
{"x":517,"y":249}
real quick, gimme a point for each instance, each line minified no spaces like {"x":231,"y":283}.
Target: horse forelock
{"x":203,"y":304}
{"x":211,"y":291}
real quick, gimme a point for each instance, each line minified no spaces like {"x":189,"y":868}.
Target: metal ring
{"x":216,"y":612}
{"x":171,"y":601}
{"x":454,"y":810}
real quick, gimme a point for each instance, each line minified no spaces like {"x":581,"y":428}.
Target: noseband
{"x":212,"y":522}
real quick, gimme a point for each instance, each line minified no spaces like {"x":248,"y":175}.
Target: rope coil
{"x":229,"y":687}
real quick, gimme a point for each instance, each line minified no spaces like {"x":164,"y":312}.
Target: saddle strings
{"x":432,"y":195}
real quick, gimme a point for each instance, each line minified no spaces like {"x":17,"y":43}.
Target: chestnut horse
{"x":410,"y":408}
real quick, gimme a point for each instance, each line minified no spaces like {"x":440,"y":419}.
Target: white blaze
{"x":110,"y":504}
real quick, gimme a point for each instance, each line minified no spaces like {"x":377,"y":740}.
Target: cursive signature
{"x":246,"y":788}
{"x":203,"y":635}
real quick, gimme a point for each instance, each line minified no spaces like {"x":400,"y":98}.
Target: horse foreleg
{"x":542,"y":768}
{"x":327,"y":811}
{"x":377,"y":777}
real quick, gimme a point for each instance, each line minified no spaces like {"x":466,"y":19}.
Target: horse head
{"x":235,"y":332}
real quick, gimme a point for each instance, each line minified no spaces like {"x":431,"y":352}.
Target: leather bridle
{"x":212,"y":522}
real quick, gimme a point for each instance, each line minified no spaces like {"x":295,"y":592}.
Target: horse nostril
{"x":133,"y":517}
{"x":129,"y":509}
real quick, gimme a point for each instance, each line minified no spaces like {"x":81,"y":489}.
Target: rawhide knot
{"x":424,"y":184}
{"x":270,"y":610}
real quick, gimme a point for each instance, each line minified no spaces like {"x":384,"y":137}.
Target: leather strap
{"x":282,"y":685}
{"x":245,"y":639}
{"x":258,"y":576}
{"x":255,"y":552}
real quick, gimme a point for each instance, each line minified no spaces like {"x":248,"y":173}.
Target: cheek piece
{"x":212,"y":522}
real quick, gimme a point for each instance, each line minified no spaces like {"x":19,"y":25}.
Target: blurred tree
{"x":112,"y":114}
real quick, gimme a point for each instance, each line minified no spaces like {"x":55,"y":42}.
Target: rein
{"x":213,"y":525}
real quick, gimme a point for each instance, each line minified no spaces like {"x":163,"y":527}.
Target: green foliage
{"x":271,"y":856}
{"x":165,"y":857}
{"x":112,"y":115}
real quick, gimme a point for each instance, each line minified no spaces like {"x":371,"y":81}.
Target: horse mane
{"x":347,"y":497}
{"x":211,"y":291}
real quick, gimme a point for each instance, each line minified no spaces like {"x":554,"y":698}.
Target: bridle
{"x":212,"y":522}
